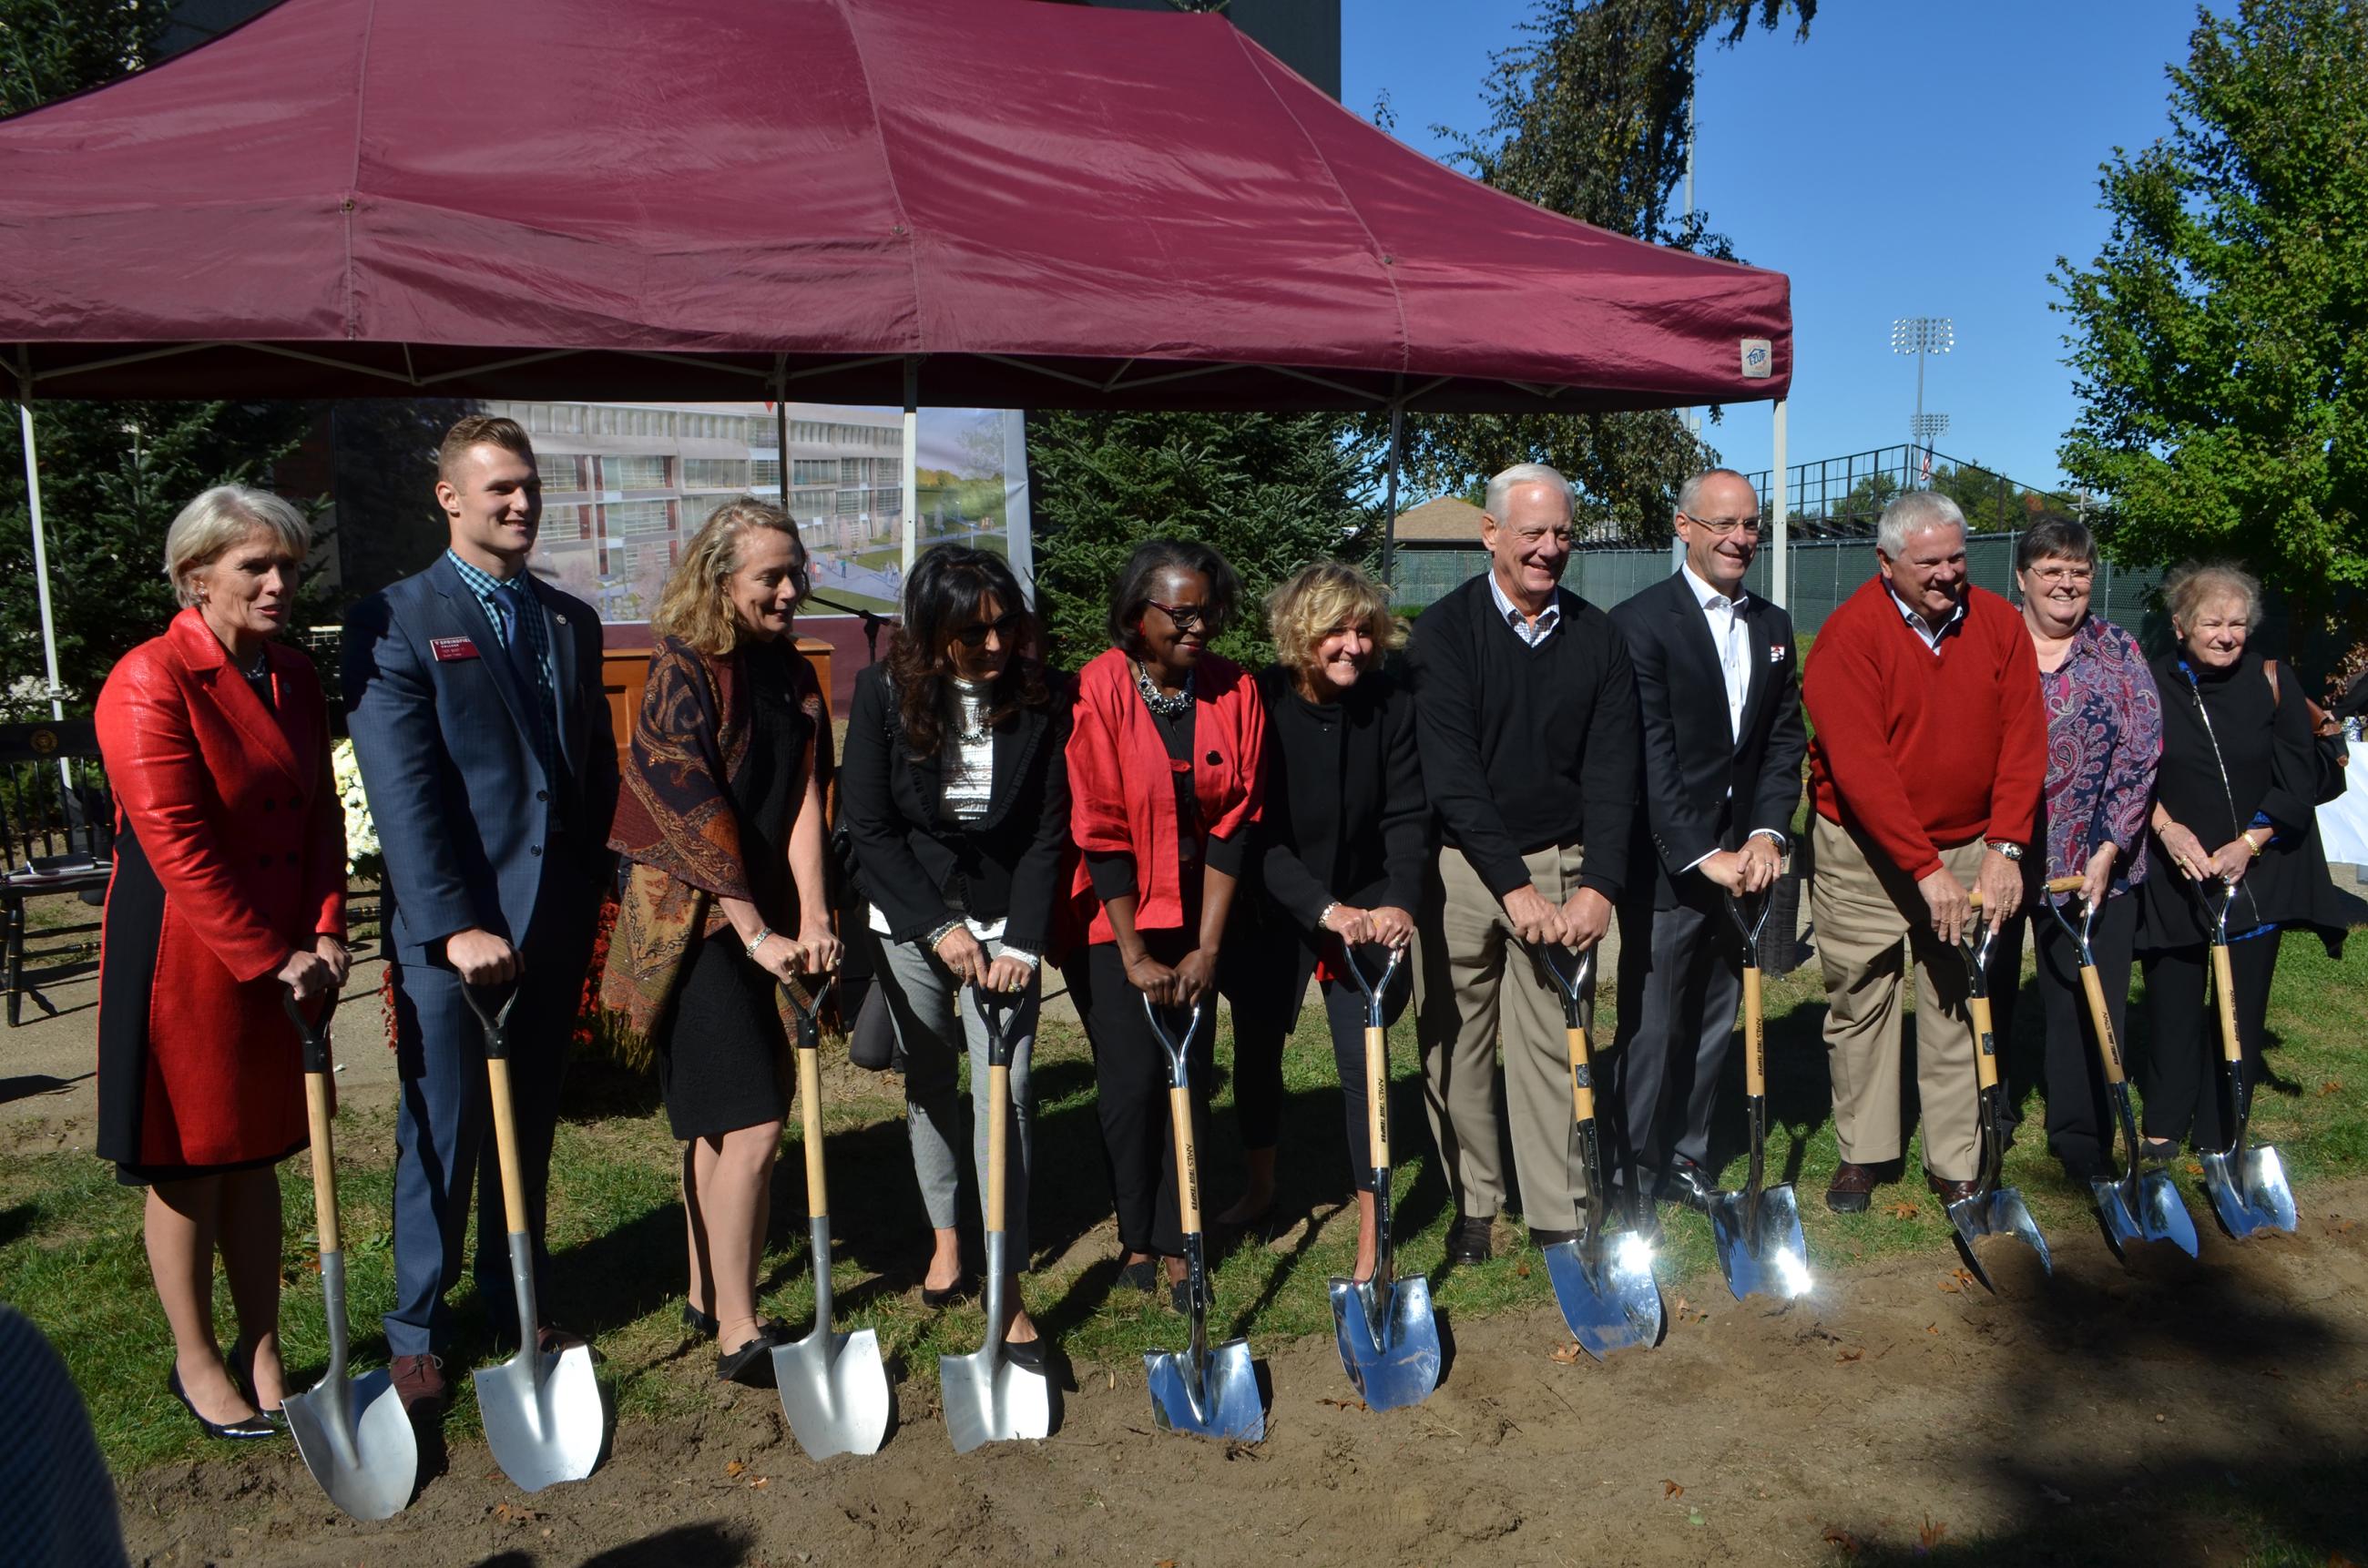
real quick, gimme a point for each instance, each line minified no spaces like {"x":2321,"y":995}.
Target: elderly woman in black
{"x":1341,"y":846}
{"x":955,"y":793}
{"x":2233,"y":802}
{"x":1166,"y":764}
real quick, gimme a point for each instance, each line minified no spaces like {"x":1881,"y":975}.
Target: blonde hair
{"x":695,"y":606}
{"x":2188,"y":586}
{"x":1304,"y":610}
{"x":219,"y":519}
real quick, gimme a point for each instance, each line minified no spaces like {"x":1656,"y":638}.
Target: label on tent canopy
{"x":1758,"y":358}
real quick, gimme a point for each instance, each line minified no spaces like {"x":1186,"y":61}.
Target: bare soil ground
{"x":2166,"y":1414}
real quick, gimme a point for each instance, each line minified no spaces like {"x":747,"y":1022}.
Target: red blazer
{"x":1121,"y":789}
{"x":235,"y":856}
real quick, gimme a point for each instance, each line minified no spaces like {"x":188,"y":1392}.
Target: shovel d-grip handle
{"x":808,"y":1014}
{"x":1179,"y":1110}
{"x":999,"y":1101}
{"x":317,"y":1113}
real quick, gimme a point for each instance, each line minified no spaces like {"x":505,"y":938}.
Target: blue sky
{"x":1908,"y":159}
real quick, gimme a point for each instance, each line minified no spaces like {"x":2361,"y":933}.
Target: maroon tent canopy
{"x":1044,"y":205}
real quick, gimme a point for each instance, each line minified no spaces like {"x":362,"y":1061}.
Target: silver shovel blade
{"x":990,"y":1400}
{"x":1220,"y":1402}
{"x":1608,"y":1295}
{"x":2249,"y":1191}
{"x":368,"y":1463}
{"x":835,"y":1391}
{"x":1389,"y":1341}
{"x":1773,"y":1263}
{"x":1999,"y":1212}
{"x":544,"y":1417}
{"x":2121,"y":1221}
{"x":2162,"y":1215}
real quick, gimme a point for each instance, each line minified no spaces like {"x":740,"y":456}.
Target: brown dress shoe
{"x":1852,"y":1189}
{"x":1950,"y":1191}
{"x":419,"y":1382}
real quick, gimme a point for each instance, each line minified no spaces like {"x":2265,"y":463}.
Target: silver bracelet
{"x":1327,"y":914}
{"x":759,"y":939}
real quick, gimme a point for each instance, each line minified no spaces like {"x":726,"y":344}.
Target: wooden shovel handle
{"x":497,"y":1076}
{"x":2054,"y":884}
{"x":810,"y":1123}
{"x":2109,"y":1048}
{"x":325,"y":1161}
{"x":998,"y":1138}
{"x":1985,"y":1070}
{"x":1755,"y":1051}
{"x":2224,"y":983}
{"x":1188,"y":1172}
{"x":1582,"y":1090}
{"x":1377,"y":1104}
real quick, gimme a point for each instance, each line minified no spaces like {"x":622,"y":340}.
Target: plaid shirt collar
{"x":482,"y":585}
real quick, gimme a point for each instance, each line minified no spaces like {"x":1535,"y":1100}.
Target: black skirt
{"x":725,"y":1058}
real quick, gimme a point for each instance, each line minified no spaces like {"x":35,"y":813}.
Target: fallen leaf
{"x":734,"y":1468}
{"x":1935,"y":1328}
{"x":1849,"y":1354}
{"x":1164,"y":1562}
{"x":1345,"y":1404}
{"x":1522,"y":1269}
{"x":2337,"y":1560}
{"x":1671,"y":1489}
{"x":1682,"y":1307}
{"x":1693,"y":1516}
{"x":1951,"y":1286}
{"x":1569,"y":1353}
{"x":1843,"y":1541}
{"x":2332,"y":1086}
{"x":2195,"y":1167}
{"x":1931,"y":1533}
{"x":1903,"y":1209}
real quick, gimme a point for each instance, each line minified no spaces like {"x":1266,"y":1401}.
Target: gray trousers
{"x":923,"y":1000}
{"x":1681,"y":981}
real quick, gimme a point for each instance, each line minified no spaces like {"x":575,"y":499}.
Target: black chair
{"x":57,"y":833}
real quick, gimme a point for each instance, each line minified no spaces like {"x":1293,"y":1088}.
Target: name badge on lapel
{"x":447,"y":649}
{"x":1776,"y":653}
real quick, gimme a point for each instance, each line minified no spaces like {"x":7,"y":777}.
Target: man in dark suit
{"x":1719,"y":696}
{"x":474,"y":698}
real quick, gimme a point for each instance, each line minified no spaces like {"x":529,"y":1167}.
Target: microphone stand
{"x":872,"y":622}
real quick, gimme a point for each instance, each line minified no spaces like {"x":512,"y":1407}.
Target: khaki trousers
{"x":1863,"y":906}
{"x":1474,"y":983}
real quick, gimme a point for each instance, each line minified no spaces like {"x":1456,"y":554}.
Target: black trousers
{"x":2080,"y":1129}
{"x":1681,"y":983}
{"x":2183,"y":1079}
{"x":1131,"y":1084}
{"x":1266,"y":989}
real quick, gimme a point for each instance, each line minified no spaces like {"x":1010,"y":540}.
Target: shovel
{"x":544,"y":1416}
{"x":2143,"y":1206}
{"x":367,"y":1462}
{"x":834,"y":1388}
{"x":1758,"y":1231}
{"x":1388,"y":1334}
{"x":1992,"y":1210}
{"x":987,"y":1398}
{"x":1208,"y":1393}
{"x":2248,"y":1184}
{"x":1606,"y":1288}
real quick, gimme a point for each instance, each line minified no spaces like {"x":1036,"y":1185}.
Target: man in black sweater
{"x":1526,"y":710}
{"x":1719,"y":693}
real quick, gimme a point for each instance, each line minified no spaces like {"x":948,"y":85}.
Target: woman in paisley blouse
{"x":2104,"y":739}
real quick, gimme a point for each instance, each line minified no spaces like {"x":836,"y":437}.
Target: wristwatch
{"x":2013,"y":851}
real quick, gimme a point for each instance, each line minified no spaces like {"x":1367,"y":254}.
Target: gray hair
{"x":2190,"y":585}
{"x":1500,"y":487}
{"x":1690,"y":492}
{"x":219,"y":519}
{"x":1913,"y":513}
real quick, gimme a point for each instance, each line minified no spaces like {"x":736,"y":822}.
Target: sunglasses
{"x":1186,"y":616}
{"x":1004,"y":627}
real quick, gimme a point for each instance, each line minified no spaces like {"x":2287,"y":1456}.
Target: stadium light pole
{"x":1922,"y":337}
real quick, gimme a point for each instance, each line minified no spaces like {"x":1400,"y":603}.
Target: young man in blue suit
{"x":472,"y":693}
{"x":1718,"y":693}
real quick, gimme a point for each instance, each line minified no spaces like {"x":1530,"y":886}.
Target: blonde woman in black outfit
{"x":1339,"y":859}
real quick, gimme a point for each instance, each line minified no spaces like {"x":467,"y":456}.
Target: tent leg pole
{"x":1390,"y":502}
{"x":912,"y":461}
{"x":1780,"y":576}
{"x":781,"y":440}
{"x":40,"y":558}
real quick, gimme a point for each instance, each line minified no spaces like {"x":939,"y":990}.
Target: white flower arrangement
{"x":362,"y":856}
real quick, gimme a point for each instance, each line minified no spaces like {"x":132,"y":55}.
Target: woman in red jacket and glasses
{"x":1165,"y":763}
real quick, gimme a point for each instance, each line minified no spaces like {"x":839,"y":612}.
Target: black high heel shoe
{"x":241,"y":1362}
{"x":241,"y":1430}
{"x":938,"y":1300}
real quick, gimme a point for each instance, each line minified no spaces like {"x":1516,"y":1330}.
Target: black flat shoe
{"x":699,"y":1322}
{"x":938,"y":1300}
{"x":1027,"y":1352}
{"x":243,"y":1430}
{"x":751,"y":1366}
{"x":1141,"y":1275}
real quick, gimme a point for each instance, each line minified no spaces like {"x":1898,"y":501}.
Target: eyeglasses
{"x":1723,"y":526}
{"x":1186,"y":616}
{"x":2078,"y":576}
{"x":1004,"y":627}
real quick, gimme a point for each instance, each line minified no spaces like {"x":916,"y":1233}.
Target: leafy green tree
{"x":113,"y":474}
{"x":1587,"y":118}
{"x":2220,"y":338}
{"x":1271,"y":492}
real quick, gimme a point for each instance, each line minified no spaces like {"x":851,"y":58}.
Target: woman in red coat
{"x":229,"y":890}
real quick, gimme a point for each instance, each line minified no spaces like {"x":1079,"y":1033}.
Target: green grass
{"x":71,"y":1255}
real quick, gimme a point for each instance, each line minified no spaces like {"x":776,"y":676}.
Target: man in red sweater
{"x":1928,"y":750}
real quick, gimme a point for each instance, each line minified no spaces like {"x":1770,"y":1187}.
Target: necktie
{"x":510,"y":603}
